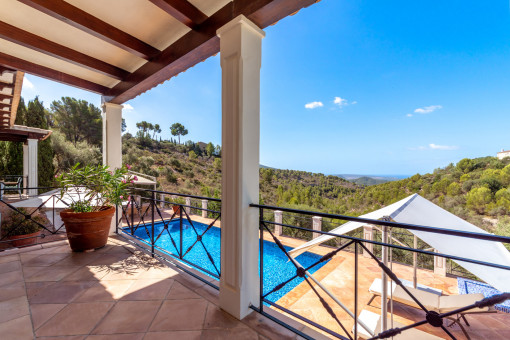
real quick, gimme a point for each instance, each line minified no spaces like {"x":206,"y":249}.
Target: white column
{"x":240,"y":53}
{"x":188,"y":203}
{"x":112,"y":135}
{"x":162,"y":199}
{"x":316,"y":225}
{"x":204,"y":206}
{"x":278,"y":218}
{"x":25,"y":168}
{"x":439,"y":265}
{"x":368,"y":234}
{"x":30,"y":165}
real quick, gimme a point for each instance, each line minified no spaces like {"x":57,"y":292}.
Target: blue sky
{"x":367,"y":87}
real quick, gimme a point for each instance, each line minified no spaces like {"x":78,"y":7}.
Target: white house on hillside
{"x":503,"y":154}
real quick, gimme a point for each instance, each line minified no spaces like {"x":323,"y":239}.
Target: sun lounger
{"x":373,"y":321}
{"x":431,"y":301}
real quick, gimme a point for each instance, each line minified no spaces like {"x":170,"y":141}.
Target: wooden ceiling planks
{"x":183,"y":11}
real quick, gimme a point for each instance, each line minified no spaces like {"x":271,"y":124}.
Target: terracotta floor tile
{"x":178,"y":291}
{"x":268,"y":328}
{"x":217,"y":319}
{"x":158,"y":272}
{"x":53,"y":273}
{"x":175,"y":335}
{"x":130,"y":336}
{"x":122,"y":273}
{"x":209,"y":293}
{"x":230,"y":334}
{"x":87,"y":273}
{"x":13,"y":308}
{"x":183,"y":315}
{"x":11,"y":277}
{"x":34,"y":288}
{"x":109,"y":259}
{"x":9,"y":266}
{"x":43,"y":312}
{"x":31,"y":260}
{"x":61,"y":292}
{"x":78,"y":259}
{"x":12,"y":290}
{"x":150,"y":289}
{"x":75,"y":319}
{"x":128,"y":317}
{"x":106,"y":291}
{"x":29,"y":271}
{"x":71,"y":337}
{"x":17,"y":329}
{"x":9,"y":258}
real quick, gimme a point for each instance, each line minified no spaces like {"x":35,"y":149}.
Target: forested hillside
{"x":477,"y":190}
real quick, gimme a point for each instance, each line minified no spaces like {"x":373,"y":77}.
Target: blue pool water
{"x":467,"y":286}
{"x":277,"y":267}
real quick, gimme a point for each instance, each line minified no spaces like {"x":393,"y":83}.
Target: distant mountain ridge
{"x":371,"y":179}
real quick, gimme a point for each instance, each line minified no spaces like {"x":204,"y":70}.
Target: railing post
{"x":153,"y":206}
{"x":116,"y":217}
{"x":162,"y":198}
{"x":204,"y":206}
{"x":356,"y":290}
{"x":188,"y":203}
{"x":368,"y":234}
{"x":439,"y":265}
{"x":132,"y":201}
{"x":261,"y":257}
{"x":384,"y":290}
{"x":316,"y":225}
{"x":180,"y":231}
{"x":278,"y":218}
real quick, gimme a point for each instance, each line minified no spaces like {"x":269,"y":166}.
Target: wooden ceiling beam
{"x":199,"y":44}
{"x":86,"y":22}
{"x":40,"y":44}
{"x":183,"y":11}
{"x":48,"y":73}
{"x":5,"y":96}
{"x":4,"y":105}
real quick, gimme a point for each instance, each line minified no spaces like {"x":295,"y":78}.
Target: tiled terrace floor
{"x":114,"y":293}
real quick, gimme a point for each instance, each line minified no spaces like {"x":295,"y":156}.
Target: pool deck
{"x":338,"y":276}
{"x":116,"y":292}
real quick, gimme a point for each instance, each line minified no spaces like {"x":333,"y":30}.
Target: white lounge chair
{"x":373,"y":321}
{"x":432,"y":301}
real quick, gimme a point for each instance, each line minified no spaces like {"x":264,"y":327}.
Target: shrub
{"x":170,"y":177}
{"x":16,"y":223}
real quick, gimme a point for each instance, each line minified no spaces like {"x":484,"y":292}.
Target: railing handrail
{"x":444,"y":231}
{"x":177,"y":194}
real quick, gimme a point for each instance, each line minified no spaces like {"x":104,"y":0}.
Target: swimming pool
{"x":277,"y":267}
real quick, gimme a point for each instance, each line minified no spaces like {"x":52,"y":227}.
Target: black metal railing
{"x":332,"y":304}
{"x":163,"y":224}
{"x":31,"y":219}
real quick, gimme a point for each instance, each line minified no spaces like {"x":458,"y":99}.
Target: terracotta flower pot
{"x":176,"y":209}
{"x":86,"y":231}
{"x":24,"y":240}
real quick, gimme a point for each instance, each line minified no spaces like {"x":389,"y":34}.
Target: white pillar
{"x":25,"y":168}
{"x":30,"y":165}
{"x":278,"y":218}
{"x":204,"y":206}
{"x":112,"y":135}
{"x":439,"y":265}
{"x":316,"y":225}
{"x":162,"y":199}
{"x":188,"y":203}
{"x":368,"y":234}
{"x":240,"y":53}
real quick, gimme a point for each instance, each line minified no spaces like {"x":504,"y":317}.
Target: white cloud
{"x":443,"y":147}
{"x":128,"y":107}
{"x":433,"y":146}
{"x":27,"y":84}
{"x":428,"y":109}
{"x":340,"y":101}
{"x":314,"y":105}
{"x":409,"y":115}
{"x":354,"y":103}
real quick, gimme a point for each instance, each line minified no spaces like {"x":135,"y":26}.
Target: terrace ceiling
{"x":11,"y":82}
{"x":121,"y":48}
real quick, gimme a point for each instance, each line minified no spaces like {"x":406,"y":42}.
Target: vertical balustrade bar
{"x":116,"y":218}
{"x":132,"y":214}
{"x":180,"y":231}
{"x":356,"y":290}
{"x":261,"y":257}
{"x":153,"y":206}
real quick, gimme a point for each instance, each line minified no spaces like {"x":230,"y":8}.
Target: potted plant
{"x":94,"y":192}
{"x":23,"y":231}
